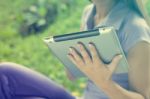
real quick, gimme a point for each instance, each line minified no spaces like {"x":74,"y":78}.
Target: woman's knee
{"x":4,"y":80}
{"x":6,"y":67}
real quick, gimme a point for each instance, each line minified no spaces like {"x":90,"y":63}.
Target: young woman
{"x":130,"y":20}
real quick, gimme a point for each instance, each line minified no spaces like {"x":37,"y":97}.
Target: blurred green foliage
{"x":31,"y":51}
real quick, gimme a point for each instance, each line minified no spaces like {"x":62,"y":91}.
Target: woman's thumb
{"x":115,"y":62}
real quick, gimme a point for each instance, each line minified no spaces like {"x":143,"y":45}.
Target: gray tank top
{"x":132,"y":28}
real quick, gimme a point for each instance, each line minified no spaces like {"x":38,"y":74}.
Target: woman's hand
{"x":93,"y":66}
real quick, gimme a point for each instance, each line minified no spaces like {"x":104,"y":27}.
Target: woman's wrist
{"x":106,"y":86}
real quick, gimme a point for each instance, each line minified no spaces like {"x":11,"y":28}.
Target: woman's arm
{"x":138,"y":73}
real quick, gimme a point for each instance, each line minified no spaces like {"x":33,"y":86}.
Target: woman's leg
{"x":19,"y":81}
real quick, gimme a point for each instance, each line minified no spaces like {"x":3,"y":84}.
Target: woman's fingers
{"x":84,"y":53}
{"x":112,"y":66}
{"x":94,"y":54}
{"x":72,"y":58}
{"x":75,"y":57}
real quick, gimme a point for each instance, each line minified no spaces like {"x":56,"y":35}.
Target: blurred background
{"x":23,"y":25}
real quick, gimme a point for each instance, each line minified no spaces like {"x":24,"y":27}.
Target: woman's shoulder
{"x":135,"y":21}
{"x":135,"y":29}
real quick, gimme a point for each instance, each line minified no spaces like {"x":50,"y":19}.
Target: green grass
{"x":31,"y":51}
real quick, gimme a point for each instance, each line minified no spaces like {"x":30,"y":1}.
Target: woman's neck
{"x":103,"y":7}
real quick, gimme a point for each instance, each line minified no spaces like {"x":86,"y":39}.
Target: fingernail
{"x":79,"y":45}
{"x":90,"y":44}
{"x":70,"y":49}
{"x":120,"y":56}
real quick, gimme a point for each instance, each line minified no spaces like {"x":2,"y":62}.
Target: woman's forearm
{"x":115,"y":91}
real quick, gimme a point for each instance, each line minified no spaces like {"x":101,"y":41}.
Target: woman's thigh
{"x":19,"y":81}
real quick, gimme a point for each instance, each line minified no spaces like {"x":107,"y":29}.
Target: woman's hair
{"x":139,"y":6}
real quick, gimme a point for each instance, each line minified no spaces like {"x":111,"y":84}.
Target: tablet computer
{"x":104,"y":38}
